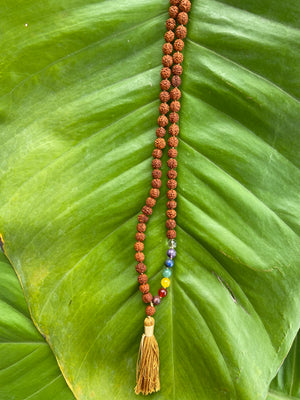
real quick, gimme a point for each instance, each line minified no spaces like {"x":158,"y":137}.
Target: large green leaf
{"x":286,"y":385}
{"x":80,"y":83}
{"x":28,"y":369}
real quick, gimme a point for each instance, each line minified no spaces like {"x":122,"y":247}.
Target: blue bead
{"x":171,"y":253}
{"x":169,"y":263}
{"x":167,"y":272}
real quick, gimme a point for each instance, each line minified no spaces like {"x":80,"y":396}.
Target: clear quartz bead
{"x":172,"y":243}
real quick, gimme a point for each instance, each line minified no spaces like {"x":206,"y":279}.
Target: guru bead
{"x":162,"y":292}
{"x":150,"y":310}
{"x":169,"y":263}
{"x":167,"y":272}
{"x":165,"y":282}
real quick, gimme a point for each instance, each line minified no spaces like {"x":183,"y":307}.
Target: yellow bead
{"x":165,"y":282}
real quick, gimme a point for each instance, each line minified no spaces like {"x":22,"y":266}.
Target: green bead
{"x":167,"y":272}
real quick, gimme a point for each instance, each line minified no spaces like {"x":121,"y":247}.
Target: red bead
{"x":162,"y":292}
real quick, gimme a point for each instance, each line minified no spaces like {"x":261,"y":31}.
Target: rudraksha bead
{"x":164,"y":96}
{"x":171,"y":214}
{"x":157,"y":153}
{"x":173,"y":130}
{"x":164,"y":107}
{"x":160,"y":132}
{"x":185,"y":5}
{"x":171,"y":204}
{"x":177,"y":58}
{"x":180,"y":32}
{"x":156,"y":173}
{"x":165,"y":84}
{"x":167,"y":48}
{"x":142,"y":279}
{"x":175,"y":94}
{"x":156,"y":183}
{"x":173,"y":141}
{"x":150,"y":202}
{"x":147,"y":297}
{"x":140,"y":237}
{"x":143,"y":218}
{"x":173,"y":11}
{"x":139,"y":246}
{"x":172,"y":153}
{"x":140,"y":268}
{"x":171,"y":24}
{"x":162,"y":120}
{"x":156,"y":163}
{"x":175,"y":105}
{"x":141,"y":227}
{"x":170,"y":224}
{"x":160,"y":143}
{"x":178,"y":45}
{"x":140,"y":257}
{"x":172,"y":174}
{"x":172,"y":184}
{"x":144,"y":288}
{"x":147,"y":210}
{"x":169,"y":36}
{"x":172,"y":194}
{"x":167,"y":61}
{"x":165,"y":73}
{"x":150,"y":310}
{"x":177,"y":69}
{"x":175,"y":2}
{"x":154,"y":193}
{"x":171,"y":234}
{"x":172,"y":163}
{"x":176,"y":80}
{"x":182,"y":18}
{"x":173,"y":117}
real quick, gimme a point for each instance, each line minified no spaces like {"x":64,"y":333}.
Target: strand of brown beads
{"x":170,"y":105}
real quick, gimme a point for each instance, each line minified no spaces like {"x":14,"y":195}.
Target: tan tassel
{"x":147,"y":370}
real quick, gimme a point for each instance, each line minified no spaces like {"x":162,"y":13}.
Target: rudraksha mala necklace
{"x":147,"y":379}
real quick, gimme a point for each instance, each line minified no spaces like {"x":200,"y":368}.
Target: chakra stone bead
{"x":156,"y":300}
{"x":167,"y":272}
{"x":171,"y":253}
{"x":165,"y":282}
{"x":169,"y":263}
{"x":172,"y":243}
{"x":162,"y":292}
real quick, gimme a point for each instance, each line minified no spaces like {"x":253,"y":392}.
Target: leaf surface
{"x":80,"y":87}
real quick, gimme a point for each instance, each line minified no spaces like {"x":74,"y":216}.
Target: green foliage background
{"x":79,"y":99}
